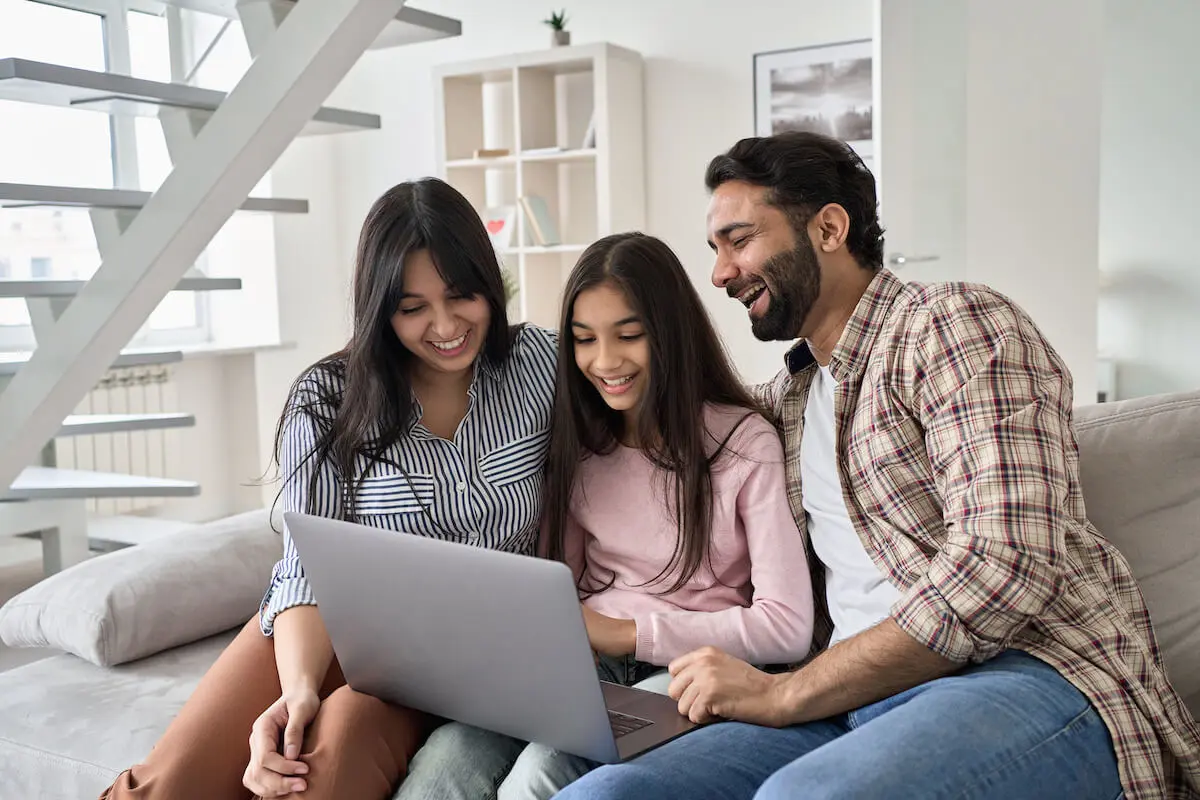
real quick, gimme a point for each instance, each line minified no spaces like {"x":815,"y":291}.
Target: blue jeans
{"x":1008,"y":728}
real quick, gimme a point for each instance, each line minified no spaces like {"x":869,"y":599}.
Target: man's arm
{"x":877,"y":663}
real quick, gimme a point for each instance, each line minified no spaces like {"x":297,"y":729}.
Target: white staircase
{"x":17,"y":195}
{"x":222,"y":144}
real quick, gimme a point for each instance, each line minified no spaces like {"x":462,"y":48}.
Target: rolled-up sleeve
{"x":322,"y":497}
{"x":994,"y":401}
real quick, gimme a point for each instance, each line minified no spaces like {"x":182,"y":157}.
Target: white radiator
{"x":150,"y":453}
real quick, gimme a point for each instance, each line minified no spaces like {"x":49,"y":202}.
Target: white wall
{"x":698,"y":83}
{"x":980,"y":178}
{"x":314,"y":266}
{"x":1033,"y":142}
{"x":220,"y":451}
{"x":1149,"y":307}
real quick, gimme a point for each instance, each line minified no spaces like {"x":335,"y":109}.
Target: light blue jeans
{"x":1008,"y":728}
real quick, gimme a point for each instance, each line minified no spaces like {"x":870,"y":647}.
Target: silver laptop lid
{"x":492,"y":639}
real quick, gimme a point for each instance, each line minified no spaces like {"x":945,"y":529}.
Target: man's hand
{"x":710,"y":685}
{"x":610,"y":636}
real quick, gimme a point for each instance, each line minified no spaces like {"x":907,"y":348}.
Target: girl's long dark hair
{"x":358,"y":400}
{"x":689,"y":368}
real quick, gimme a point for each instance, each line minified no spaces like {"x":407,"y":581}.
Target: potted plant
{"x":559,"y":35}
{"x":511,"y":287}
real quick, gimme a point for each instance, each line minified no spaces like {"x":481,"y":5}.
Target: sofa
{"x":140,"y":626}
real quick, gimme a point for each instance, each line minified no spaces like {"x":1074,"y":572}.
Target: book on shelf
{"x":541,"y":151}
{"x":589,"y":136}
{"x":491,"y":152}
{"x":539,"y":220}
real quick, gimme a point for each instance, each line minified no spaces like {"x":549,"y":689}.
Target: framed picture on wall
{"x":826,"y":88}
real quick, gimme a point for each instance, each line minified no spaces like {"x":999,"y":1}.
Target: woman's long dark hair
{"x":688,"y":369}
{"x":358,"y":400}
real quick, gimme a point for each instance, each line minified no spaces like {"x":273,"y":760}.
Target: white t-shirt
{"x":858,"y":593}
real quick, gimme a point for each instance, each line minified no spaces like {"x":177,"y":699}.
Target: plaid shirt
{"x":959,"y":467}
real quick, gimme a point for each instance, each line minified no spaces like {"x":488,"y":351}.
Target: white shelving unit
{"x":538,"y":107}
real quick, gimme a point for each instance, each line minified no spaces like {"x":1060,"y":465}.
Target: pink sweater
{"x":764,"y":611}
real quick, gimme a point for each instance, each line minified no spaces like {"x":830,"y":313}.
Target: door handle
{"x":899,"y":259}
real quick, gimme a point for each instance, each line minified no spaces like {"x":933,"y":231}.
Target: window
{"x":40,"y":144}
{"x":66,"y":147}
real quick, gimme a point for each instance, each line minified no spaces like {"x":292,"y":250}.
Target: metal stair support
{"x":52,"y":483}
{"x":92,"y":424}
{"x":19,"y":195}
{"x":42,"y":287}
{"x":120,"y":95}
{"x":11,"y":363}
{"x":410,"y":25}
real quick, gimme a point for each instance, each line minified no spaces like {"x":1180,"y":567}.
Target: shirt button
{"x":474,"y":537}
{"x":462,"y":486}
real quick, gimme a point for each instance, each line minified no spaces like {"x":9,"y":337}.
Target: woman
{"x":665,"y":488}
{"x":433,"y":420}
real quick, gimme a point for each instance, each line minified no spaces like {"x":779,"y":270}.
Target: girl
{"x":433,"y":421}
{"x":665,"y":487}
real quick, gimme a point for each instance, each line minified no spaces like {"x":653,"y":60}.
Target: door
{"x":920,"y":134}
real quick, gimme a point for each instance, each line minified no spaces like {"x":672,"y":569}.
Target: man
{"x":987,"y":642}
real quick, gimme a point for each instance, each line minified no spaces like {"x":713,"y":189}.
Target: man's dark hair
{"x":803,"y":172}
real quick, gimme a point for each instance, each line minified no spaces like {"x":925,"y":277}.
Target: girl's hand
{"x":271,"y":773}
{"x":610,"y":636}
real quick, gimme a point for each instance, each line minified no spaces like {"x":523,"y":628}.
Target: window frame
{"x":123,"y":141}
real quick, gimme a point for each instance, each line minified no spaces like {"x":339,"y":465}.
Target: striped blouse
{"x":483,"y":488}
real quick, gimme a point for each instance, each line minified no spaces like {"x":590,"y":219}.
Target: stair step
{"x":15,"y":195}
{"x":410,"y":26}
{"x":89,"y":424}
{"x":51,"y":84}
{"x":52,"y":483}
{"x":113,"y":532}
{"x":11,"y":287}
{"x":11,"y":362}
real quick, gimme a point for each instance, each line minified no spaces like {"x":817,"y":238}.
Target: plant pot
{"x":560,"y":38}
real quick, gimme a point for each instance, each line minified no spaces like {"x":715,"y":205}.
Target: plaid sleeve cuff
{"x":924,"y":614}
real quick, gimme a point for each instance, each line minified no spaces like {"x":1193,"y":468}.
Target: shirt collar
{"x":849,"y":356}
{"x":486,"y":367}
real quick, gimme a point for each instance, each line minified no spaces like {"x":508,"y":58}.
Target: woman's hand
{"x":272,"y":773}
{"x":610,"y":636}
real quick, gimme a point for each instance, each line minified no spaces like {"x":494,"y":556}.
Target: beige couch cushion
{"x":1140,"y":466}
{"x":143,"y":600}
{"x":67,"y":727}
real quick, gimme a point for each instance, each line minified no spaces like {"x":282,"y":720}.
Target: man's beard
{"x":793,"y":280}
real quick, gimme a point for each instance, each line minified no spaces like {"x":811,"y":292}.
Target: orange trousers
{"x":357,"y":747}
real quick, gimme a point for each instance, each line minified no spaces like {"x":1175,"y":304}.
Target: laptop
{"x":492,"y":639}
